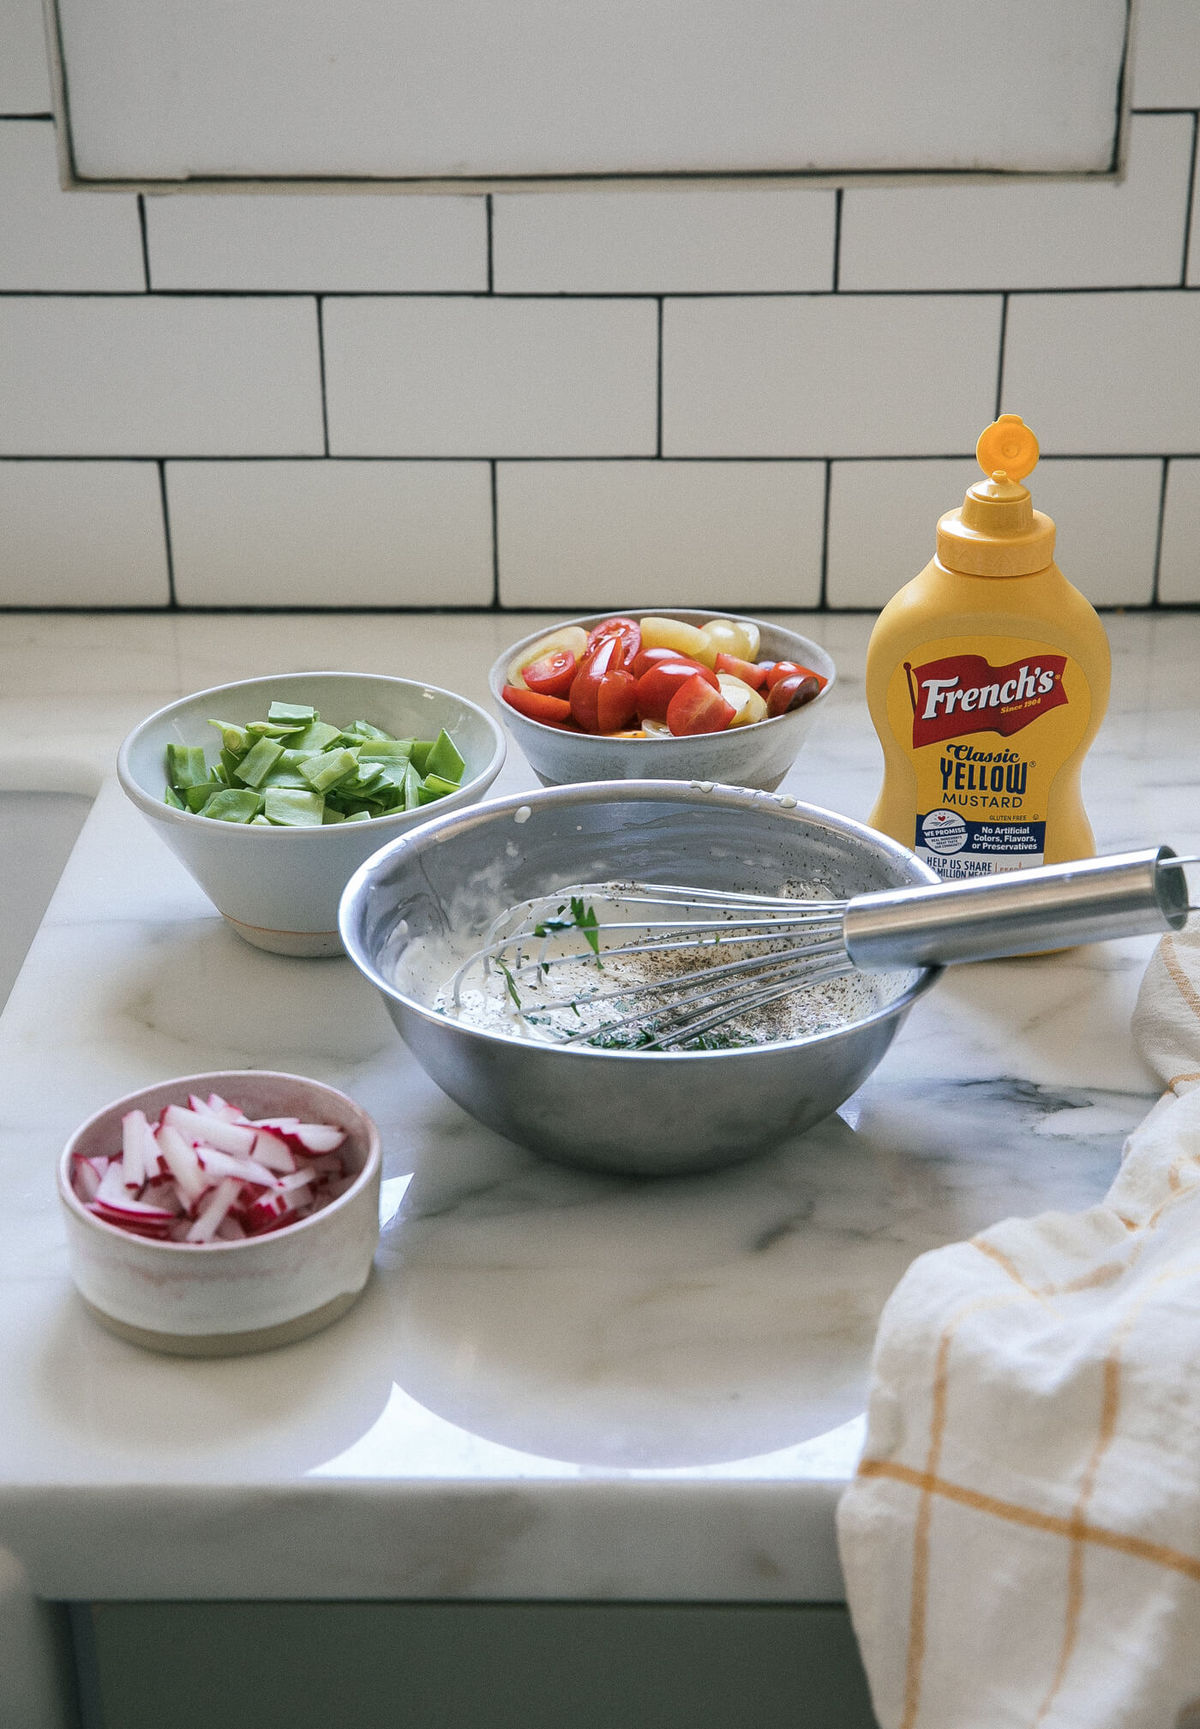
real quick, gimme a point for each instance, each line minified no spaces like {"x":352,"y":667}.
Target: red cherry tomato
{"x":554,"y":710}
{"x":552,"y":673}
{"x":648,"y":657}
{"x":662,"y":679}
{"x":627,"y":630}
{"x":604,"y":693}
{"x":749,"y":673}
{"x":791,"y":692}
{"x":697,"y":707}
{"x":788,"y":669}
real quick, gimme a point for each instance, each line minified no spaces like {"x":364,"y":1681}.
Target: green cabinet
{"x":234,"y":1665}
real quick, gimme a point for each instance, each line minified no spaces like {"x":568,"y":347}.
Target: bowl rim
{"x":599,"y":792}
{"x":191,"y":1083}
{"x":155,"y":807}
{"x":685,"y":615}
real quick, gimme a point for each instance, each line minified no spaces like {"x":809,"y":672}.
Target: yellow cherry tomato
{"x":731,"y":636}
{"x":674,"y":633}
{"x":747,"y":704}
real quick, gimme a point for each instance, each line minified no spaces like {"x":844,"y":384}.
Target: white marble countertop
{"x":557,"y":1385}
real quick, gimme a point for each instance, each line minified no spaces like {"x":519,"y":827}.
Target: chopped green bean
{"x":258,"y":762}
{"x":295,"y":770}
{"x":287,"y":809}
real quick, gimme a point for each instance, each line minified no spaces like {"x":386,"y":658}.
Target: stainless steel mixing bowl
{"x":643,"y":1113}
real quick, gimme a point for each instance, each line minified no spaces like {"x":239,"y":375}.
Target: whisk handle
{"x":1018,"y":912}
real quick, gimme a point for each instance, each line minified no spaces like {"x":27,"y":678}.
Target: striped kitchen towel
{"x":1021,"y":1544}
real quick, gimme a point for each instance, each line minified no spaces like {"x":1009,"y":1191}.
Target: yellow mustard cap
{"x":997,"y":532}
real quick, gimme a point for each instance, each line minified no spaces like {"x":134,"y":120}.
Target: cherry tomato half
{"x":662,"y":679}
{"x":604,"y":694}
{"x":627,"y":630}
{"x":792,"y":691}
{"x":747,"y":670}
{"x":553,"y":710}
{"x":648,"y":657}
{"x":789,"y":669}
{"x":697,"y":707}
{"x":553,"y":673}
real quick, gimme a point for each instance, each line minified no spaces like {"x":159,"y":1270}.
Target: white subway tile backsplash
{"x":328,"y":534}
{"x":51,"y":239}
{"x":1046,"y":234}
{"x":24,"y":67}
{"x":486,"y":376}
{"x":1193,"y":263}
{"x":732,"y":535}
{"x":1106,"y":514}
{"x":835,"y":375}
{"x":82,"y":534}
{"x":1179,"y":569}
{"x":1106,"y":374}
{"x":337,"y":244}
{"x":663,"y":242}
{"x":150,"y":375}
{"x":1166,"y":54}
{"x":883,"y":524}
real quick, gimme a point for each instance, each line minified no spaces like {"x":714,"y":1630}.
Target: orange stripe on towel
{"x":1175,"y":1560}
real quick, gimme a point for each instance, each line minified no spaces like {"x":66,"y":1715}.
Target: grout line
{"x":966,"y":455}
{"x":494,"y":466}
{"x":1189,"y":206}
{"x":491,"y":278}
{"x":658,"y":385}
{"x":823,"y":591}
{"x":423,"y":608}
{"x":1124,"y":288}
{"x":837,"y":239}
{"x":321,"y":371}
{"x":1000,"y":355}
{"x":1155,"y":599}
{"x":143,"y":225}
{"x":1120,"y":131}
{"x":172,"y":599}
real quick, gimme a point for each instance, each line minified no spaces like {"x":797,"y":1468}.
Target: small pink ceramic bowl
{"x":224,"y":1298}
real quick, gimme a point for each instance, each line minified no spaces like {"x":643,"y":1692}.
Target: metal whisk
{"x":653,"y":946}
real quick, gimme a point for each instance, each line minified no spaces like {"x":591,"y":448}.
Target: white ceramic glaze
{"x":756,"y":756}
{"x":222,"y":1299}
{"x":279,"y":887}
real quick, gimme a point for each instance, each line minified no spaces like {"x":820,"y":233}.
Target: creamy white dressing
{"x":553,"y":989}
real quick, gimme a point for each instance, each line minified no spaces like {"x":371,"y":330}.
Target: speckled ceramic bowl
{"x":279,"y":887}
{"x":225,"y":1298}
{"x":755,"y":756}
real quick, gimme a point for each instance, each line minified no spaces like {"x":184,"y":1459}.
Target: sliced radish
{"x":313,"y":1137}
{"x":272,"y":1151}
{"x":234,"y":1138}
{"x":137,"y":1140}
{"x":213,"y":1212}
{"x":206,"y":1173}
{"x":215,"y":1163}
{"x":265,"y":1211}
{"x":86,"y":1175}
{"x":180,"y":1159}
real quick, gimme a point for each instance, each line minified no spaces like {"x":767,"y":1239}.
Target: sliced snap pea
{"x":288,"y":809}
{"x":296,"y":770}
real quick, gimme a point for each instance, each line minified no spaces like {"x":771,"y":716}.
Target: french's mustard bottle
{"x":987,"y":678}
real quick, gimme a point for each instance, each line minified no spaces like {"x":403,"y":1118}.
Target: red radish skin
{"x":206,"y":1173}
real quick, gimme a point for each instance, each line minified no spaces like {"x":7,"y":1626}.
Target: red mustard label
{"x":964,"y":693}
